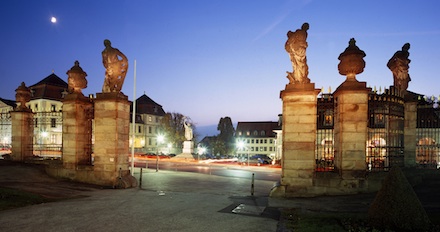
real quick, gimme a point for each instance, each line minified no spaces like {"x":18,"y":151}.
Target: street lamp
{"x":159,"y":139}
{"x":241,"y":146}
{"x":201,"y":151}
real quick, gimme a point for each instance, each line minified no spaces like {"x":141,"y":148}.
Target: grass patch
{"x":292,"y":220}
{"x":13,"y":198}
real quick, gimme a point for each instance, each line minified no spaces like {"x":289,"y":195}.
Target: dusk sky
{"x":216,"y":58}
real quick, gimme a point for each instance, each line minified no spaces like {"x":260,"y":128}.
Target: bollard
{"x":140,"y":179}
{"x":252,"y":185}
{"x":157,"y":162}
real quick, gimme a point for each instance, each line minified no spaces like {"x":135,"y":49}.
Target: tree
{"x":226,"y":135}
{"x":173,"y":128}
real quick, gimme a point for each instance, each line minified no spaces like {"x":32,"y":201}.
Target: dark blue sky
{"x":210,"y":59}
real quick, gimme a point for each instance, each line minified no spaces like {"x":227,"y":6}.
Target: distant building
{"x":5,"y":123}
{"x":258,"y":138}
{"x":47,"y":105}
{"x":149,"y":115}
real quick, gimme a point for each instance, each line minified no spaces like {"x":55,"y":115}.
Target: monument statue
{"x":296,"y":46}
{"x":23,"y":96}
{"x":399,"y":66}
{"x":188,"y":131}
{"x":76,"y":79}
{"x":115,"y":68}
{"x":351,"y":61}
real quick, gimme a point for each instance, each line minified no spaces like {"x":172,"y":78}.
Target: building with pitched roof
{"x":257,"y":138}
{"x":148,"y":118}
{"x":5,"y":124}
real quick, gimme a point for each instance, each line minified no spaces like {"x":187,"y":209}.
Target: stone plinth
{"x":77,"y":131}
{"x":409,"y":134}
{"x":111,"y":150}
{"x":187,"y":151}
{"x":351,"y":130}
{"x":188,"y":147}
{"x":299,"y":135}
{"x":22,"y":134}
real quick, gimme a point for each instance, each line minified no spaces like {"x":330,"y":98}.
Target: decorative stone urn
{"x":351,"y":61}
{"x":23,"y":96}
{"x":76,"y":79}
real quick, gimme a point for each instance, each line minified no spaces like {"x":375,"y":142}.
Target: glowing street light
{"x":241,"y":146}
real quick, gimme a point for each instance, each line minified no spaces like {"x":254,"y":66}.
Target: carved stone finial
{"x":296,"y":46}
{"x":351,"y":61}
{"x":76,"y":79}
{"x":399,"y":66}
{"x":115,"y":68}
{"x":22,"y":96}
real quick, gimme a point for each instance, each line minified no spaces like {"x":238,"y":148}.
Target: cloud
{"x":290,"y":5}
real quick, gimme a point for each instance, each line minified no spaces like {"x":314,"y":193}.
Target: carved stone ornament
{"x":296,"y":46}
{"x":22,"y":96}
{"x":116,"y":67}
{"x":76,"y":79}
{"x":399,"y":66}
{"x":351,"y":61}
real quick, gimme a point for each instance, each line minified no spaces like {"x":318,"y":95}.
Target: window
{"x":139,"y":129}
{"x":36,"y":122}
{"x":255,"y":133}
{"x":263,"y":133}
{"x":149,"y":141}
{"x":252,"y":141}
{"x":248,"y":133}
{"x":36,"y":107}
{"x":256,"y":141}
{"x":239,"y":133}
{"x":150,"y":119}
{"x":149,"y":130}
{"x":52,"y":108}
{"x":53,"y":122}
{"x":265,"y":140}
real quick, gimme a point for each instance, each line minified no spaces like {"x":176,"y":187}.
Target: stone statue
{"x":76,"y":79}
{"x":188,"y":131}
{"x":351,"y":61}
{"x":296,"y":46}
{"x":115,"y":68}
{"x":399,"y":66}
{"x":23,"y":96}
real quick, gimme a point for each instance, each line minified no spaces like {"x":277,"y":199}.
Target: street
{"x":218,"y":169}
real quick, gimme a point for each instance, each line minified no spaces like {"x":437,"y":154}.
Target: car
{"x":256,"y":159}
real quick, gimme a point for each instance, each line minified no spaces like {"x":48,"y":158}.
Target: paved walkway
{"x":167,"y":201}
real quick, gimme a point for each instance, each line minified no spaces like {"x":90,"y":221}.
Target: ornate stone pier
{"x":22,"y":126}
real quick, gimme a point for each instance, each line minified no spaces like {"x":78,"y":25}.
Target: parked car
{"x":256,"y":159}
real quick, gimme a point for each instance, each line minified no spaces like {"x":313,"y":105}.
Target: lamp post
{"x":160,"y":139}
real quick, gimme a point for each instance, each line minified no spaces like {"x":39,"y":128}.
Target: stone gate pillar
{"x":76,"y":131}
{"x":409,"y":133}
{"x":22,"y":135}
{"x":22,"y":126}
{"x":111,"y":149}
{"x":351,"y":118}
{"x":351,"y":129}
{"x":299,"y":136}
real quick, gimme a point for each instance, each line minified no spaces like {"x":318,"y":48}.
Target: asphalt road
{"x":217,"y":169}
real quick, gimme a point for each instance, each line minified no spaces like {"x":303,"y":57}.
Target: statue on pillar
{"x":296,"y":46}
{"x":115,"y":68}
{"x":188,"y":130}
{"x":399,"y":66}
{"x":76,"y":79}
{"x":351,"y":61}
{"x":22,"y":96}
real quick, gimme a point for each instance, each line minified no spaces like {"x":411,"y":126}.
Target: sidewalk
{"x":167,"y":201}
